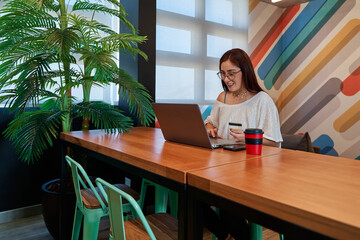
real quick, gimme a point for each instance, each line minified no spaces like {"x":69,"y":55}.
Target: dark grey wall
{"x":20,"y":183}
{"x":147,"y":27}
{"x":142,"y":14}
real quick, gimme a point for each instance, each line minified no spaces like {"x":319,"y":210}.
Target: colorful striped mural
{"x":308,"y":59}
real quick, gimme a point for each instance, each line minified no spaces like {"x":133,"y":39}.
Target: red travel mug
{"x":254,"y":140}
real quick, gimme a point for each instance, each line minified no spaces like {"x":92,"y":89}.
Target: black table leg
{"x":63,"y":179}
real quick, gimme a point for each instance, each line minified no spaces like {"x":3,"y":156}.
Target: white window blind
{"x":191,"y":36}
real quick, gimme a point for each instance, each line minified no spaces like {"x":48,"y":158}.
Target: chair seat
{"x":90,"y":201}
{"x":164,"y":226}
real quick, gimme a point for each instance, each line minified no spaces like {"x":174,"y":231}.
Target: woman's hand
{"x":212,"y":131}
{"x":238,"y":135}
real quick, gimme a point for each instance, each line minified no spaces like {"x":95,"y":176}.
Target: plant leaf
{"x":33,"y":132}
{"x":103,"y":116}
{"x":136,"y":96}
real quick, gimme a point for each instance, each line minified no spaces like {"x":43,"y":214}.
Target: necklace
{"x":241,"y":95}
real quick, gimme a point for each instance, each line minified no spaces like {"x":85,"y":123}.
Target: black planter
{"x":51,"y":204}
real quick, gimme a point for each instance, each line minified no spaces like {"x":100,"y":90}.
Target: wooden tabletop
{"x":318,"y":192}
{"x":146,"y":148}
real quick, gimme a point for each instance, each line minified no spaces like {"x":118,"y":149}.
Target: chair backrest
{"x":114,"y":198}
{"x":79,"y":176}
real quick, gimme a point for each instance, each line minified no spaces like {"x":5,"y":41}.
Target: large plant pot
{"x":51,"y":204}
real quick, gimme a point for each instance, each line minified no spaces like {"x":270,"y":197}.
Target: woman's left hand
{"x":238,"y":135}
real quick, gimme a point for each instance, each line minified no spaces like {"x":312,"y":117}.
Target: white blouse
{"x":257,"y":112}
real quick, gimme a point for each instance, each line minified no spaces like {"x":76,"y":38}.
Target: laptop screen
{"x":182,"y":123}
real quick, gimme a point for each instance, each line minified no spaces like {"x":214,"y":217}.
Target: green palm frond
{"x":84,"y":29}
{"x":49,"y":5}
{"x":50,"y":104}
{"x":33,"y":132}
{"x":24,"y":61}
{"x":33,"y":68}
{"x":136,"y":96}
{"x":33,"y":77}
{"x":14,"y":53}
{"x":118,"y":5}
{"x":22,"y":17}
{"x":103,"y":116}
{"x":91,"y":80}
{"x":5,"y":70}
{"x":99,"y":8}
{"x":101,"y":61}
{"x":89,"y":27}
{"x":18,"y":101}
{"x":19,"y":52}
{"x":124,"y":42}
{"x":62,"y":40}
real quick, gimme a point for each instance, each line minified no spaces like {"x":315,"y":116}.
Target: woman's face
{"x":231,"y":75}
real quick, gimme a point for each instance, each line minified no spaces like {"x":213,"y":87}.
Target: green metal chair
{"x":162,"y":195}
{"x":162,"y":224}
{"x":90,"y":202}
{"x":256,"y":231}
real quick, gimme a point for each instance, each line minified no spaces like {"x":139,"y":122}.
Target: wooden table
{"x":145,"y":153}
{"x":296,"y":193}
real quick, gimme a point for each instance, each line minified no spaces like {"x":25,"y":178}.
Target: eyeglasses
{"x":229,"y":75}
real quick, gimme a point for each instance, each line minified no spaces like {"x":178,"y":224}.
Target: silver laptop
{"x":183,"y":123}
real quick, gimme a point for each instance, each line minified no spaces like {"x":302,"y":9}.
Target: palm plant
{"x":48,"y":48}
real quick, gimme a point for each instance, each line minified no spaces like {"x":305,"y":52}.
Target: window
{"x":191,"y":36}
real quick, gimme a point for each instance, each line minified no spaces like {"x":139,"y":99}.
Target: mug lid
{"x":235,"y":124}
{"x":253,"y":131}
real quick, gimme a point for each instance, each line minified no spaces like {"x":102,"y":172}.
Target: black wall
{"x":147,"y":27}
{"x":142,"y":14}
{"x":20,"y":183}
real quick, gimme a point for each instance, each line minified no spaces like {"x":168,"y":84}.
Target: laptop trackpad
{"x":219,"y":142}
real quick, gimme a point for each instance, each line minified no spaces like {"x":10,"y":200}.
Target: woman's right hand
{"x":212,"y":131}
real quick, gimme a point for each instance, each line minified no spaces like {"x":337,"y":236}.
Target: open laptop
{"x":183,"y":123}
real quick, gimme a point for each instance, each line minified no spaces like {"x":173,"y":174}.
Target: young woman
{"x":242,"y":101}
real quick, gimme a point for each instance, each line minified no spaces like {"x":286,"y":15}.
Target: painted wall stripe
{"x":326,"y":145}
{"x":264,"y":25}
{"x":205,"y":110}
{"x":329,"y":151}
{"x":352,"y":150}
{"x":273,"y":34}
{"x":323,"y":141}
{"x":316,"y":42}
{"x":303,"y":38}
{"x":312,"y":106}
{"x":351,"y":84}
{"x":253,"y":4}
{"x":348,"y":118}
{"x":330,"y":50}
{"x":300,"y":22}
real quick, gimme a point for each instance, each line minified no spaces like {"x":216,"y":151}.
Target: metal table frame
{"x":196,"y":197}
